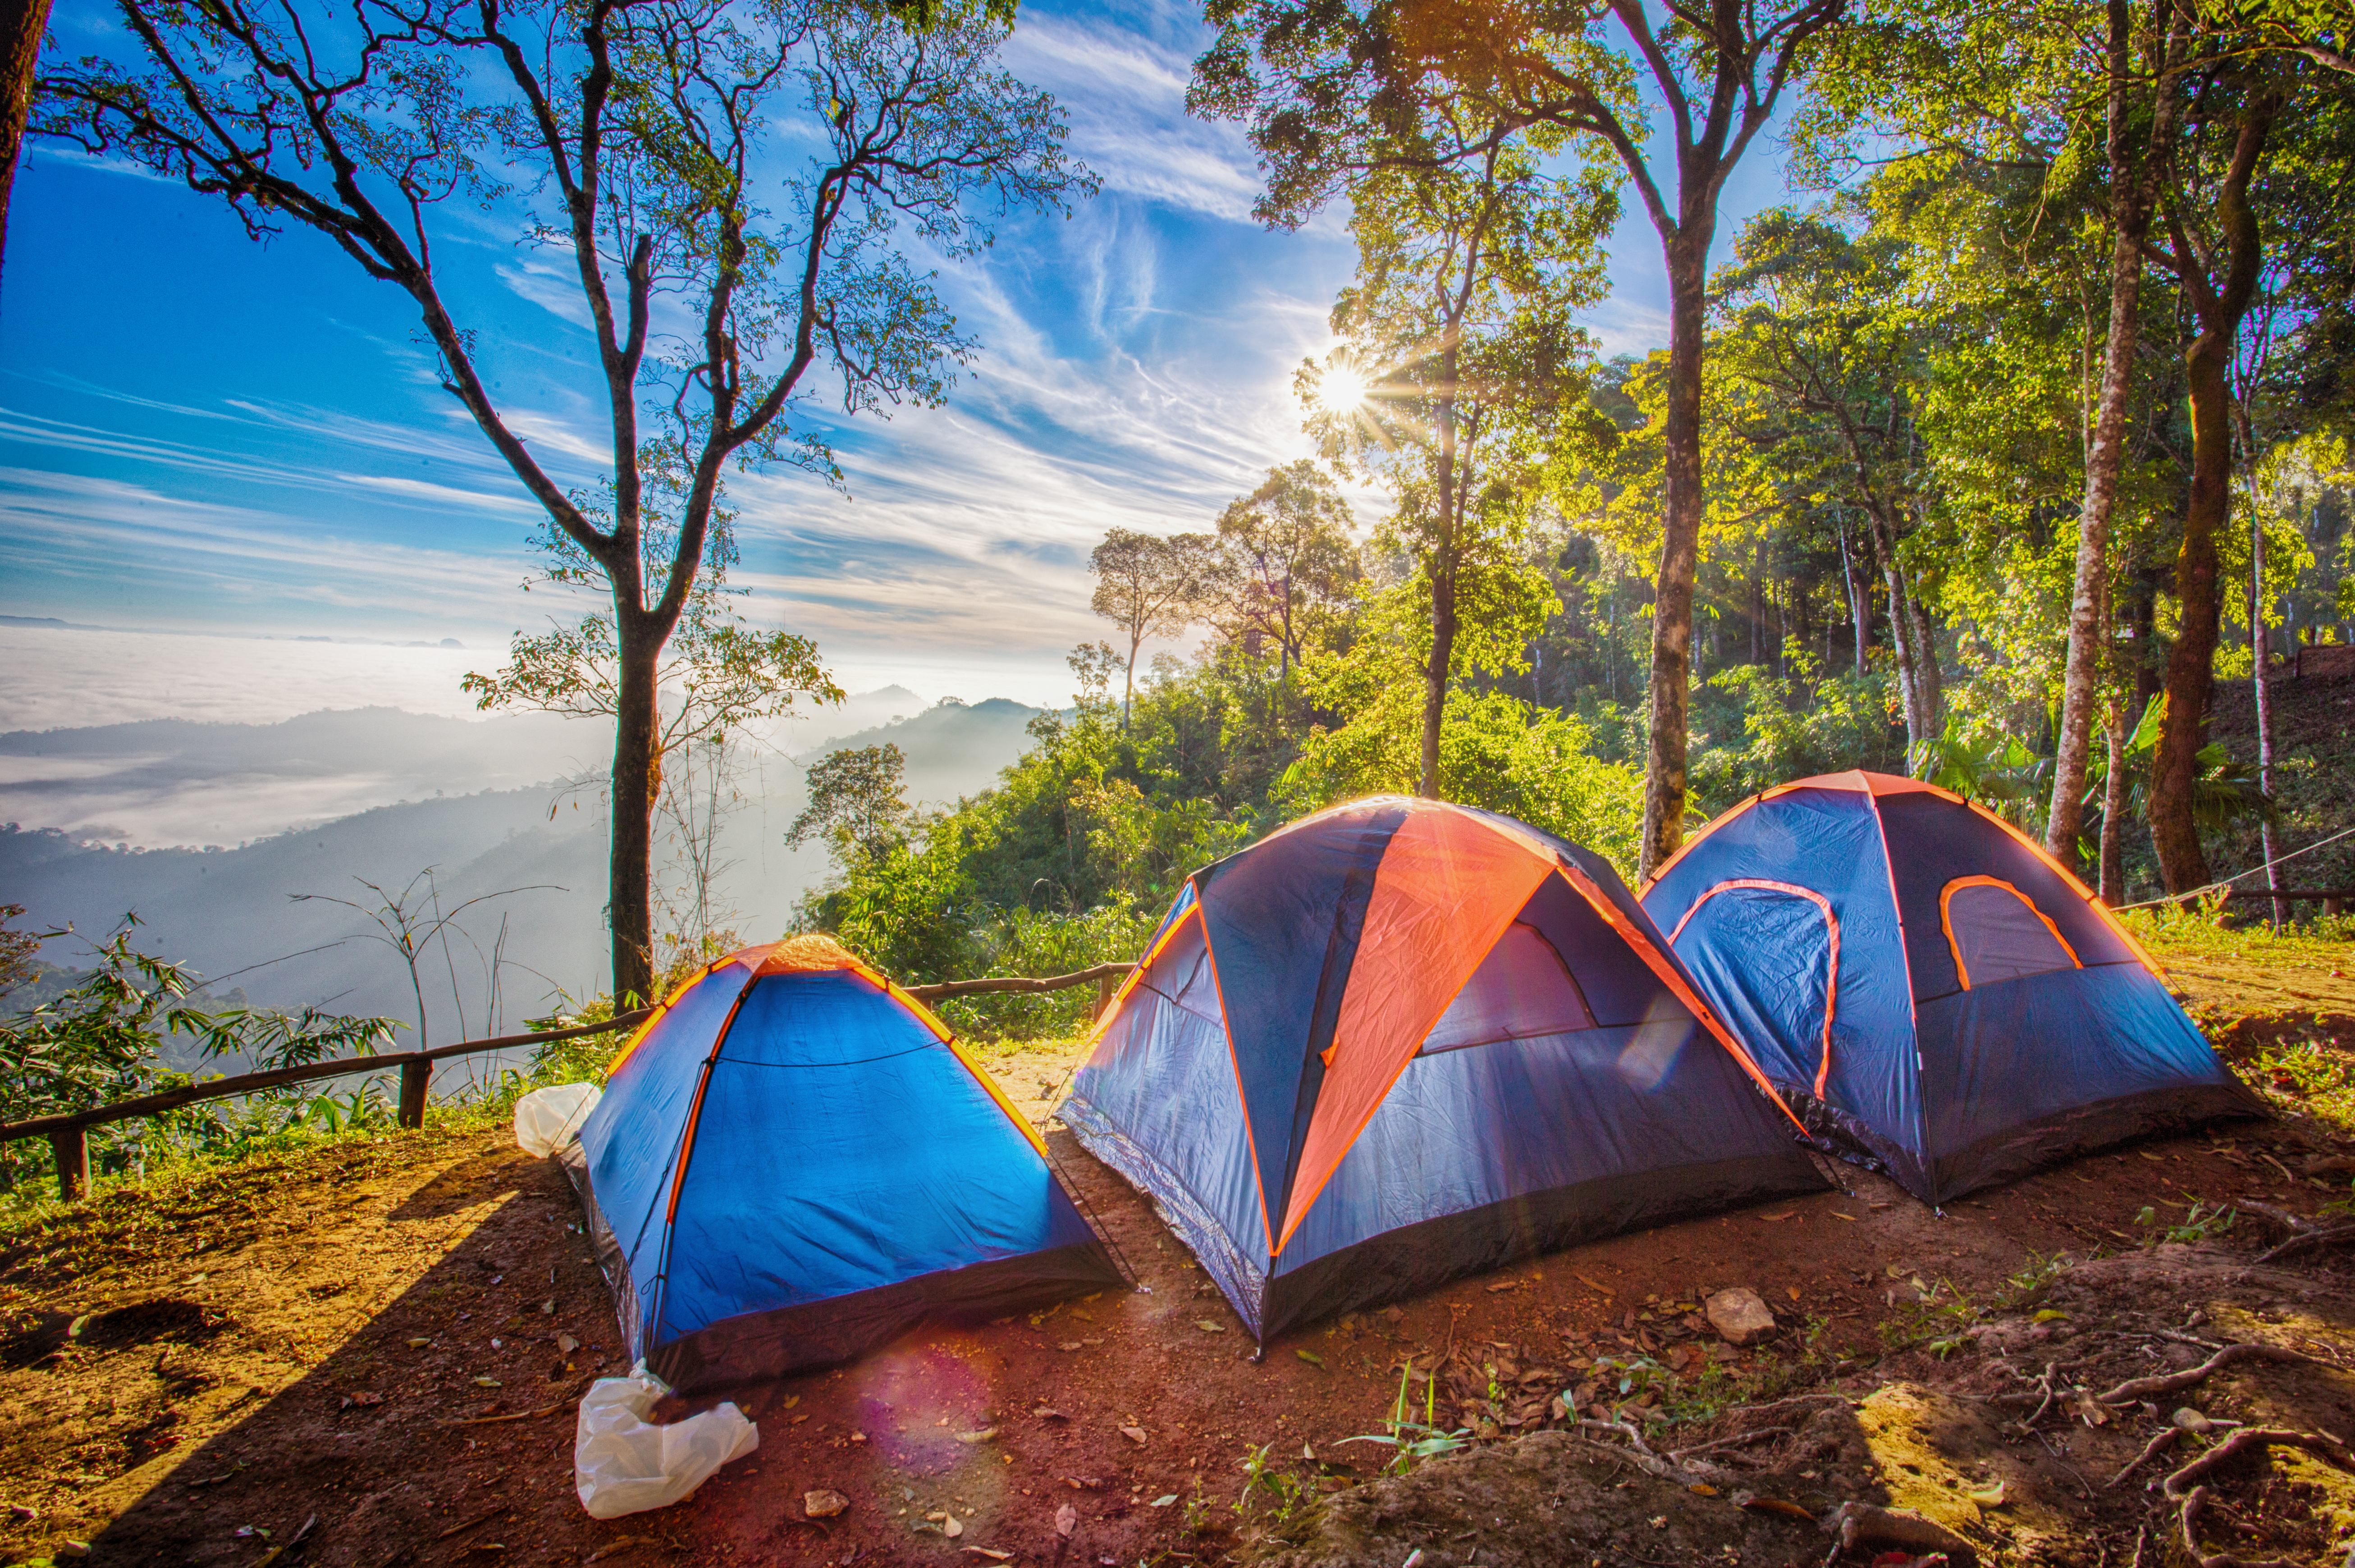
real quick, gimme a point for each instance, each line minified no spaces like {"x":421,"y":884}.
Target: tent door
{"x":1785,"y":991}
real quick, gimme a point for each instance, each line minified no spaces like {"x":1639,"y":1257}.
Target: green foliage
{"x":1415,"y":1440}
{"x":102,"y":1040}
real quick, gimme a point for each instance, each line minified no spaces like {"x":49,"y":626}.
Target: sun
{"x":1343,"y":387}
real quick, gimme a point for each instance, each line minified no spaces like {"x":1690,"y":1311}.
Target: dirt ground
{"x":358,"y":1356}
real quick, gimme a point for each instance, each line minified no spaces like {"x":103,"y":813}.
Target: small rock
{"x":1134,"y":1434}
{"x":2192,"y":1420}
{"x":824,"y":1504}
{"x":1740,"y":1316}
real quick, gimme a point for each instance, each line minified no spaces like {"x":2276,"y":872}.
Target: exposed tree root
{"x":2328,"y":1237}
{"x":2134,"y":1389}
{"x":1640,"y":1454}
{"x":1738,"y":1440}
{"x":2187,"y":1490}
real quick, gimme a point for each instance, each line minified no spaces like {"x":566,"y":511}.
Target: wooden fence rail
{"x":66,"y":1131}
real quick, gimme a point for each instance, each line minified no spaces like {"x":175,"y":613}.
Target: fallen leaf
{"x":1785,"y":1214}
{"x":824,"y":1504}
{"x":1067,"y":1519}
{"x":951,"y":1529}
{"x":548,"y":1307}
{"x":1777,"y":1506}
{"x":983,"y":1435}
{"x":363,"y":1398}
{"x":1069,"y":1345}
{"x":1164,"y":1501}
{"x":2052,"y":1315}
{"x":993,"y":1556}
{"x":1049,"y":1412}
{"x":1988,"y":1496}
{"x":1658,"y":1521}
{"x":1596,"y":1283}
{"x":1837,"y":1215}
{"x":489,"y":1383}
{"x":1134,"y":1434}
{"x":419,"y":1344}
{"x":1895,"y":1271}
{"x":1701,"y":1489}
{"x":1792,"y":1291}
{"x":1508,"y":1285}
{"x":566,"y":1344}
{"x":1311,"y":1356}
{"x":1206,"y":1326}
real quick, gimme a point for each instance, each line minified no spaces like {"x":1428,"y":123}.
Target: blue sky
{"x":199,"y":433}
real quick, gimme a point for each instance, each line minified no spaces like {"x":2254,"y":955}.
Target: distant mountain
{"x":225,"y":910}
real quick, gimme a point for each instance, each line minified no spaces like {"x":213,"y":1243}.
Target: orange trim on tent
{"x":1448,"y":886}
{"x":2107,"y":915}
{"x":1669,"y":976}
{"x":744,"y":955}
{"x":1227,"y":1028}
{"x":1687,"y":847}
{"x":1135,"y":975}
{"x":1946,"y":925}
{"x":1831,"y":924}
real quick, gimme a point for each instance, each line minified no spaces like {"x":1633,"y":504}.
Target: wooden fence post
{"x":1105,"y":989}
{"x":71,"y":1147}
{"x":414,"y":1076}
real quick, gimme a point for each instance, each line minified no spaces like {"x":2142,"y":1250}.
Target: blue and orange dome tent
{"x":1932,"y":993}
{"x":1402,"y":1041}
{"x":794,"y":1161}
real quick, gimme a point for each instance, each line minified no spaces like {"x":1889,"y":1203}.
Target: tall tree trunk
{"x":1929,"y":682}
{"x":1442,"y":587}
{"x":1855,"y":603}
{"x":2260,"y":687}
{"x":2131,"y":181}
{"x":1664,"y":771}
{"x":2113,"y":812}
{"x":22,"y":23}
{"x":1758,"y":602}
{"x":2191,"y":666}
{"x":1905,"y":642}
{"x":1128,"y":680}
{"x":637,"y":785}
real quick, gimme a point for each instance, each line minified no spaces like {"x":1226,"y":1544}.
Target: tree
{"x":858,"y":804}
{"x":2136,"y":140}
{"x":1332,"y":82}
{"x":2215,"y":246}
{"x":22,"y":25}
{"x":1811,"y":318}
{"x":638,"y":139}
{"x":1458,"y":350}
{"x":1286,"y":558}
{"x":1150,"y":586}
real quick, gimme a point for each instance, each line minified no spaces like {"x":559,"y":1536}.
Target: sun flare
{"x":1344,"y":388}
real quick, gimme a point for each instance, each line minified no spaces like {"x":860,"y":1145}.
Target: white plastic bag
{"x":623,"y":1464}
{"x":547,"y":1119}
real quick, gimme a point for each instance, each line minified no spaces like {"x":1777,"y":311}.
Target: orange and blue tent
{"x":1935,"y":994}
{"x":794,"y":1161}
{"x":1402,"y":1041}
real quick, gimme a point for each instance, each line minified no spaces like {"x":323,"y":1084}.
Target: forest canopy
{"x":2023,"y":444}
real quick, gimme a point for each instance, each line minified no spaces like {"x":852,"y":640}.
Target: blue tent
{"x":1930,"y":991}
{"x":1402,"y":1041}
{"x":795,"y":1162}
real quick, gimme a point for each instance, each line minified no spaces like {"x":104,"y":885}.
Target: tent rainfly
{"x":1402,"y":1041}
{"x":1932,"y":993}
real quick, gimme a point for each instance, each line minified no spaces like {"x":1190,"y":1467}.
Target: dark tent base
{"x":2030,"y":1147}
{"x":764,"y":1345}
{"x":1432,"y":1253}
